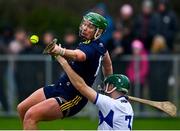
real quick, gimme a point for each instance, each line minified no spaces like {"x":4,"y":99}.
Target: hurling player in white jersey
{"x":115,"y":111}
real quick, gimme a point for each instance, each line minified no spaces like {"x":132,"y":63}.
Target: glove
{"x":50,"y":47}
{"x":54,"y":49}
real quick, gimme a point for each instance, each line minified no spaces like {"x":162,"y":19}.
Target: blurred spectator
{"x":102,"y":10}
{"x":159,"y":70}
{"x":70,"y":39}
{"x":159,"y":45}
{"x":5,"y":38}
{"x":23,"y":70}
{"x":167,"y":22}
{"x":31,"y":72}
{"x":29,"y":48}
{"x":48,"y":36}
{"x":17,"y":45}
{"x":138,"y":68}
{"x":146,"y":24}
{"x":126,"y":21}
{"x":115,"y":45}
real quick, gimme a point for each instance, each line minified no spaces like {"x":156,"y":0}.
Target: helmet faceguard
{"x":107,"y":89}
{"x":120,"y":83}
{"x":98,"y":21}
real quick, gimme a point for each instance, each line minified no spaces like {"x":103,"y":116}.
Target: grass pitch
{"x":13,"y":123}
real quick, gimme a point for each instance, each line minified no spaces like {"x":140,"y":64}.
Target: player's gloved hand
{"x":54,"y":49}
{"x":50,"y":46}
{"x":57,"y":50}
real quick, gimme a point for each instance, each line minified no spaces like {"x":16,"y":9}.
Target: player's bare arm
{"x":77,"y":81}
{"x":76,"y":54}
{"x":107,"y":65}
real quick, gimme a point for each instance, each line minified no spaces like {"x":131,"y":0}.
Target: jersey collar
{"x":87,"y":42}
{"x":121,"y":97}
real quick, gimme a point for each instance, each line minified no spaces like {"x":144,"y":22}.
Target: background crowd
{"x":151,"y":31}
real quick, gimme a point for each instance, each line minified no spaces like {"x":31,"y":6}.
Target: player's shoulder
{"x":123,"y":100}
{"x":102,"y":97}
{"x":125,"y":104}
{"x":94,"y":45}
{"x":98,"y":43}
{"x":99,"y":46}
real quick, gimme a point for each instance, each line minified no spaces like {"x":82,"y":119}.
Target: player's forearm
{"x":73,"y":55}
{"x":70,"y":54}
{"x":107,"y":65}
{"x":107,"y":70}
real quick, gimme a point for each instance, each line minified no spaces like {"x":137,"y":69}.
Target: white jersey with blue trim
{"x":114,"y":114}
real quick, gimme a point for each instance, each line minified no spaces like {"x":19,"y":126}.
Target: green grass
{"x":156,"y":124}
{"x":85,"y":123}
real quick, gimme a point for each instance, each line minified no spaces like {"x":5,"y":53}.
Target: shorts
{"x":69,"y":99}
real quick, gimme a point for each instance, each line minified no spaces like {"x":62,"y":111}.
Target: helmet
{"x":120,"y":82}
{"x":98,"y":21}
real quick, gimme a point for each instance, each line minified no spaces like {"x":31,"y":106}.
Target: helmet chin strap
{"x":106,"y":89}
